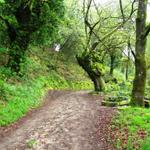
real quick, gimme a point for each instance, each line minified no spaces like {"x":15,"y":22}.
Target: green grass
{"x":132,"y":127}
{"x":20,"y":98}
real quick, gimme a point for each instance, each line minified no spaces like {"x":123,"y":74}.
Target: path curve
{"x":68,"y":121}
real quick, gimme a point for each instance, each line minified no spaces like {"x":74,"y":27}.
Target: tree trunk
{"x":112,"y":60}
{"x":139,"y":83}
{"x":140,"y":63}
{"x":99,"y":84}
{"x":127,"y":64}
{"x":127,"y":70}
{"x":96,"y":78}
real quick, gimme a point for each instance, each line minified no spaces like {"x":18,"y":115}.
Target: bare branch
{"x":121,"y":9}
{"x":147,"y":30}
{"x":92,"y":27}
{"x":132,"y":9}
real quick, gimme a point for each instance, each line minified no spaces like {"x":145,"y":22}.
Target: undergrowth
{"x":20,"y":98}
{"x":130,"y":129}
{"x":19,"y":94}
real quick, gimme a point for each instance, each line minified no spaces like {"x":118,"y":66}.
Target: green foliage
{"x":2,"y":91}
{"x":71,"y":36}
{"x":98,"y":67}
{"x":2,"y":50}
{"x":2,"y":1}
{"x":80,"y":85}
{"x":26,"y":22}
{"x":118,"y":84}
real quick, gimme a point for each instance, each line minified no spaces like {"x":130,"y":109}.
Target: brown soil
{"x":67,"y":121}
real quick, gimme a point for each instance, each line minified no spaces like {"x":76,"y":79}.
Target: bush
{"x":2,"y":91}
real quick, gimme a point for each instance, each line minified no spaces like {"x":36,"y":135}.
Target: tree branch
{"x":147,"y":30}
{"x":121,"y":9}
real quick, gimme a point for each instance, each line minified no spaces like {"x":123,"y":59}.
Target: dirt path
{"x":68,"y":121}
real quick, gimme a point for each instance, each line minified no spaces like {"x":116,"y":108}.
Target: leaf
{"x":2,"y":49}
{"x":2,"y":1}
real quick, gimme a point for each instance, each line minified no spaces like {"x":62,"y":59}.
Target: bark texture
{"x":94,"y":74}
{"x":128,"y":61}
{"x":112,"y":66}
{"x":140,"y":63}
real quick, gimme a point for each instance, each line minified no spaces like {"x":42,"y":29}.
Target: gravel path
{"x":67,"y":121}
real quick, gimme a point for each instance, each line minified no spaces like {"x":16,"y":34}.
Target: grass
{"x":146,"y":145}
{"x":20,"y":98}
{"x":132,"y":129}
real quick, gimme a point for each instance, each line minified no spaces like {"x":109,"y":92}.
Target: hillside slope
{"x":49,"y":70}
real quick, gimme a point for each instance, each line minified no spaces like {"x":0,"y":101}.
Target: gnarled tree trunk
{"x":94,"y":75}
{"x":99,"y":84}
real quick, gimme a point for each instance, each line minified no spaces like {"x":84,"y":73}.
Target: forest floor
{"x":67,"y":121}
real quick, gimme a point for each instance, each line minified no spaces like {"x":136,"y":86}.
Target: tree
{"x":24,"y":18}
{"x":98,"y":30}
{"x":115,"y":46}
{"x":142,"y":30}
{"x":71,"y":34}
{"x":90,"y":59}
